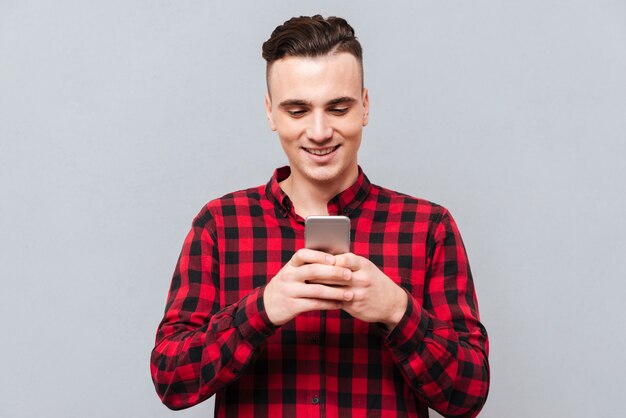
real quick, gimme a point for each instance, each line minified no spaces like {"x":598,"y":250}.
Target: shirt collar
{"x":342,"y":204}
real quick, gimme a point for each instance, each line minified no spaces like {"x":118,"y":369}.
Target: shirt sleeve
{"x":199,"y":347}
{"x":440,"y":346}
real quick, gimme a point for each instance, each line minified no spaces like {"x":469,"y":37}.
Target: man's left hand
{"x":375,"y":297}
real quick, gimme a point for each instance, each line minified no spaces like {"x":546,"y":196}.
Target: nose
{"x":319,"y":129}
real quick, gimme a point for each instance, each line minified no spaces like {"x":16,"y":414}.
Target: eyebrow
{"x":298,"y":102}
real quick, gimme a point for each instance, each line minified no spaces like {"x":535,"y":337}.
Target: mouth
{"x":321,"y":151}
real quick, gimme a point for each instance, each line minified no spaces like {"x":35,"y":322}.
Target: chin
{"x":325,"y":175}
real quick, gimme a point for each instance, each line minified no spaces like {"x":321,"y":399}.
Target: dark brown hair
{"x":312,"y":36}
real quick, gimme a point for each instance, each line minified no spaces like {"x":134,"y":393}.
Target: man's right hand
{"x":288,"y":294}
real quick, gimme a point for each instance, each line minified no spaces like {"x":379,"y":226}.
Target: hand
{"x":375,"y":297}
{"x":302,"y":286}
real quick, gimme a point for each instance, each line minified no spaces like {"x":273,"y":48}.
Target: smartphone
{"x":330,"y":234}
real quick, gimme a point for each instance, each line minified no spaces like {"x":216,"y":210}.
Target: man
{"x":273,"y":329}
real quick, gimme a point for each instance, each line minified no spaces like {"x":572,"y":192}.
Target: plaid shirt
{"x":216,"y":337}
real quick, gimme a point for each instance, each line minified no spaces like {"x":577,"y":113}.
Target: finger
{"x":308,"y":256}
{"x":307,"y":305}
{"x":322,"y":273}
{"x":320,"y":291}
{"x":350,"y":261}
{"x":317,"y":272}
{"x":329,"y":282}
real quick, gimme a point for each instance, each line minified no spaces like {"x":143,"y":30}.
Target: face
{"x":318,"y":108}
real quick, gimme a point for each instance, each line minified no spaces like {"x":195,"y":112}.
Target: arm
{"x":441,"y":347}
{"x":200,"y":348}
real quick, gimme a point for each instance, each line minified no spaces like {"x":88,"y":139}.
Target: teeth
{"x":321,"y":151}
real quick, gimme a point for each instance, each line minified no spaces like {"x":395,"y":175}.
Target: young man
{"x":274,"y":329}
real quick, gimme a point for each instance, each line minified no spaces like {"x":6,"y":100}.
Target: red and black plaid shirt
{"x":216,"y":337}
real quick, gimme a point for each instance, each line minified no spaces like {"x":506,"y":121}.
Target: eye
{"x":339,"y":110}
{"x":296,"y":113}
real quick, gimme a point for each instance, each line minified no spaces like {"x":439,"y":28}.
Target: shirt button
{"x":315,"y":400}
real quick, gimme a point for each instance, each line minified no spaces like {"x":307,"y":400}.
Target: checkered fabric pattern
{"x":216,"y":338}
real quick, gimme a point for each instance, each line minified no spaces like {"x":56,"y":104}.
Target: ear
{"x":366,"y":107}
{"x":268,"y":111}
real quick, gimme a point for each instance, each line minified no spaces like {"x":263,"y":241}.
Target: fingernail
{"x":347,"y":274}
{"x":348,"y":296}
{"x":330,"y":259}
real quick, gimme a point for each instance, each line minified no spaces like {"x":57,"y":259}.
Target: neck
{"x":311,"y":198}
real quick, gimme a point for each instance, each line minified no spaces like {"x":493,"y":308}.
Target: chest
{"x":254,"y":251}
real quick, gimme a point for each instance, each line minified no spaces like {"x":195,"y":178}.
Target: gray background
{"x":120,"y":119}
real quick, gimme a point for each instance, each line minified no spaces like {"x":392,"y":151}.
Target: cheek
{"x":288,"y":129}
{"x":350,"y":127}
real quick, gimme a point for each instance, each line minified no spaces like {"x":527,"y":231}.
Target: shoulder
{"x":244,"y":202}
{"x":412,"y":208}
{"x":412,"y":215}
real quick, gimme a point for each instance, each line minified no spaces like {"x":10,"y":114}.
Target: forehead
{"x":311,"y":78}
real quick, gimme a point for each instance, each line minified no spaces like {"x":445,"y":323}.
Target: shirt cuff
{"x":405,"y":338}
{"x":251,"y":318}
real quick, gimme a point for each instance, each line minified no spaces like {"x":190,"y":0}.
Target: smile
{"x":321,"y":151}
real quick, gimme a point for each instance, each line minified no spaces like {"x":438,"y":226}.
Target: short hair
{"x":311,"y":36}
